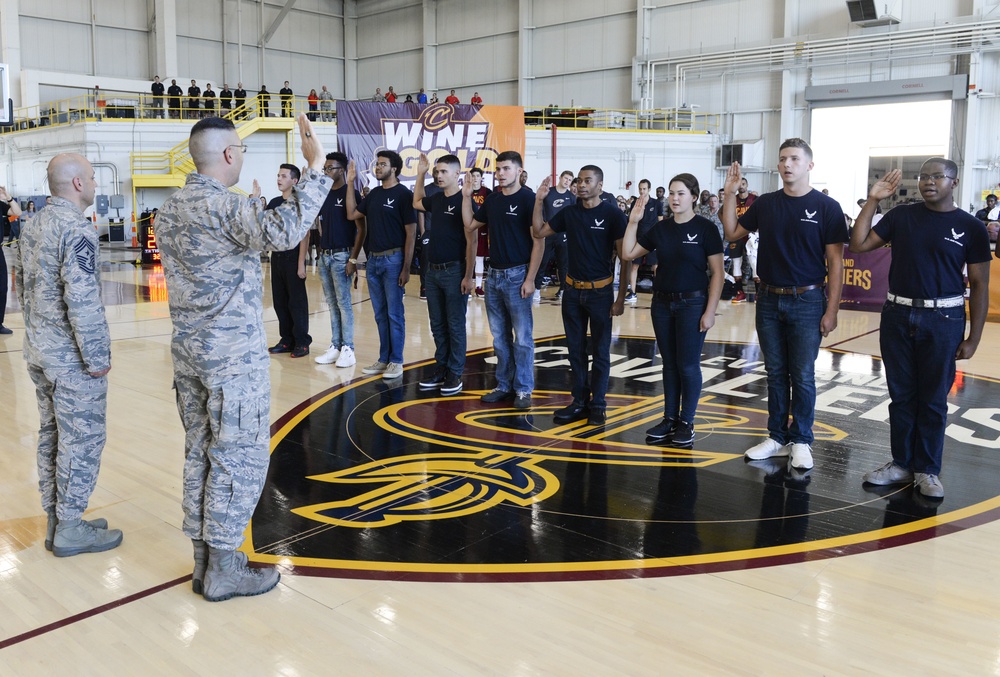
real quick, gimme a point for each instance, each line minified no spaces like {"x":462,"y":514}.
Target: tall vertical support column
{"x":10,"y":40}
{"x":525,"y":36}
{"x":165,"y":38}
{"x":642,"y":97}
{"x":430,"y":46}
{"x":350,"y":49}
{"x":965,"y":136}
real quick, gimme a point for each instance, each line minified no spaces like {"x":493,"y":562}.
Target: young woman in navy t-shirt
{"x":686,"y":293}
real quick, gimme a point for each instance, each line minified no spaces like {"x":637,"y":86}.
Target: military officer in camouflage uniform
{"x":68,"y":350}
{"x":210,"y":240}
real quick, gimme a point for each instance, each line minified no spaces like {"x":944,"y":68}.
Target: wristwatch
{"x":354,"y":261}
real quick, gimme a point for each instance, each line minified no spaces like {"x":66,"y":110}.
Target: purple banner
{"x":866,"y":279}
{"x":476,"y":134}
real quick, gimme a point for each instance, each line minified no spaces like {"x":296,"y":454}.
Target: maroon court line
{"x":840,"y":343}
{"x":17,"y":639}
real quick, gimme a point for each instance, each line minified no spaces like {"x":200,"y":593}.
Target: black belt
{"x":494,"y":266}
{"x":677,"y":296}
{"x":444,"y":266}
{"x":335,"y":251}
{"x":387,"y":252}
{"x":786,"y":291}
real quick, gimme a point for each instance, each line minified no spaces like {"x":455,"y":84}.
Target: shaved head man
{"x":210,"y":239}
{"x":68,"y":350}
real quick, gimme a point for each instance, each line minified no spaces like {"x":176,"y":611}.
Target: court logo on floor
{"x":380,"y":479}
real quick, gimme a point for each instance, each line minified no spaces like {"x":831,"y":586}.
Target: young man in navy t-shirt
{"x":801,"y":251}
{"x":594,"y":230}
{"x":449,"y":257}
{"x":923,"y":320}
{"x":514,"y":259}
{"x":340,"y":242}
{"x":392,"y":231}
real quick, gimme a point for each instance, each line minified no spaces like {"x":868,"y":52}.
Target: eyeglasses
{"x":241,"y":147}
{"x":933,"y":177}
{"x":332,"y":168}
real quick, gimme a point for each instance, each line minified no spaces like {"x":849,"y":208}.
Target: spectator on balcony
{"x":194,"y":94}
{"x":264,"y":101}
{"x":313,"y":104}
{"x":157,"y":90}
{"x":174,"y":102}
{"x":225,"y":100}
{"x":286,"y":100}
{"x":452,"y":99}
{"x":209,"y":97}
{"x":326,"y":105}
{"x":390,"y":96}
{"x":240,"y":95}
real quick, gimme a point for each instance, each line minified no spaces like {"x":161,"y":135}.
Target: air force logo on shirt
{"x":511,"y":210}
{"x":955,"y":237}
{"x":340,"y":202}
{"x":388,"y":204}
{"x":450,"y":210}
{"x":598,"y":225}
{"x":810,"y":217}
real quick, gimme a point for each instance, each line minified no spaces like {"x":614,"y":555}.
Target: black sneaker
{"x":683,"y":433}
{"x":434,"y":381}
{"x":497,"y":395}
{"x":4,"y":330}
{"x":597,"y":416}
{"x":452,"y":384}
{"x":300,"y":351}
{"x":522,"y":401}
{"x":662,"y":431}
{"x":279,"y":347}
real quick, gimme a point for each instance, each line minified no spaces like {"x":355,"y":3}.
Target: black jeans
{"x":291,"y":304}
{"x":581,"y":307}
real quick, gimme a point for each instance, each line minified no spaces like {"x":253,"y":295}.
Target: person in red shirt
{"x":390,"y":96}
{"x":476,"y":99}
{"x":452,"y":99}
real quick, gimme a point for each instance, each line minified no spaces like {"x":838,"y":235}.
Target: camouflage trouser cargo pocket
{"x":227,"y":454}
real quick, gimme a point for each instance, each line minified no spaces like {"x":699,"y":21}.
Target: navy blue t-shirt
{"x":590,"y":236}
{"x":509,"y":221}
{"x":338,"y":231}
{"x":447,"y":239}
{"x":650,"y":217}
{"x":929,"y":249}
{"x":794,"y":232}
{"x":682,"y":250}
{"x":388,"y":212}
{"x":556,"y":202}
{"x":430,"y":189}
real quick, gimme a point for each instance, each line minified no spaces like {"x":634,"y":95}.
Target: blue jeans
{"x":337,"y":289}
{"x":382,"y":273}
{"x":918,"y":349}
{"x":677,"y":325}
{"x":581,"y":307}
{"x":446,"y":308}
{"x":511,"y":324}
{"x":789,"y":334}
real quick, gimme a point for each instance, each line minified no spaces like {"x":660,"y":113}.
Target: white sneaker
{"x":802,"y":458}
{"x":346,"y":358}
{"x":537,"y":296}
{"x":392,"y":370}
{"x":766,"y":449}
{"x":330,"y":356}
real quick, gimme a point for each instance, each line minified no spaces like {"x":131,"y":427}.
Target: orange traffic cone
{"x":135,"y":238}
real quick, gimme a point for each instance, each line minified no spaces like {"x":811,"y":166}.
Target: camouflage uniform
{"x":65,"y":339}
{"x":210,"y":240}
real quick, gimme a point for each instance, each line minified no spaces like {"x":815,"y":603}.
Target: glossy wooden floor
{"x":923,"y":607}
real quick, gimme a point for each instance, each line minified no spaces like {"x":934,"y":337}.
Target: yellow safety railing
{"x":132,"y":106}
{"x":619,"y":119}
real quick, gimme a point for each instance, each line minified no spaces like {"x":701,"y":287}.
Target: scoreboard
{"x":150,"y":252}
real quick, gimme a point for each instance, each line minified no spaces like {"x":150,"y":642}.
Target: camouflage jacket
{"x":59,"y":288}
{"x":210,"y":241}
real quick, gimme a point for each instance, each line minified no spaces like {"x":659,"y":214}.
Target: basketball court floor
{"x":423,"y":535}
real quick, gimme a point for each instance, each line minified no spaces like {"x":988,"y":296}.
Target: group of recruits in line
{"x":211,"y":238}
{"x":202,"y":103}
